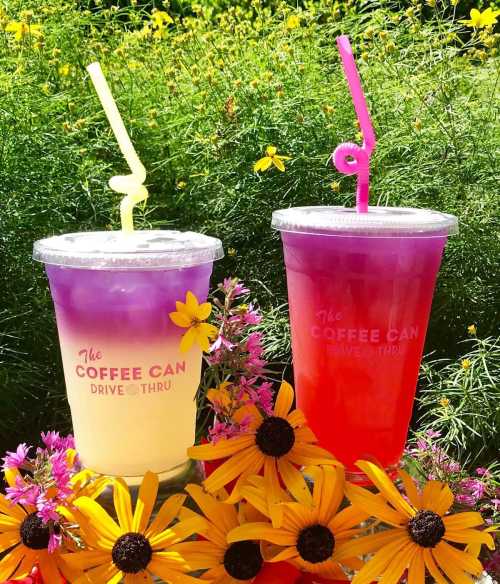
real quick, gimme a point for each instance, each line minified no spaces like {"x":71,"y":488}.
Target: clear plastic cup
{"x":130,"y":389}
{"x":360,"y":288}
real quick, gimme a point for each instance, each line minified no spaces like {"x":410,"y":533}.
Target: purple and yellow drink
{"x":360,"y":288}
{"x":130,"y":389}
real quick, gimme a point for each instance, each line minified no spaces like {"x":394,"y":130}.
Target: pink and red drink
{"x":130,"y":390}
{"x":360,"y":290}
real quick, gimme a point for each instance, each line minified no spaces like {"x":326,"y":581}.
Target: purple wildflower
{"x":47,"y":509}
{"x":221,"y":341}
{"x":24,"y":493}
{"x":483,"y":472}
{"x":55,"y":541}
{"x":433,"y":434}
{"x":467,"y":500}
{"x":51,"y":439}
{"x":16,"y":459}
{"x":474,"y":488}
{"x":252,"y":316}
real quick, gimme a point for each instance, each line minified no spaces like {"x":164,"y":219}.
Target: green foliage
{"x":461,"y":399}
{"x":202,"y":99}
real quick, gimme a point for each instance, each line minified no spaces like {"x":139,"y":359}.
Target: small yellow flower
{"x":417,"y":124}
{"x":161,"y":18}
{"x":220,"y":396}
{"x":444,"y":402}
{"x":481,"y":19}
{"x":26,"y":15}
{"x":181,"y":184}
{"x":270,"y":159}
{"x":231,"y":252}
{"x":292,"y":22}
{"x":22,"y":29}
{"x":335,"y":186}
{"x":466,"y":363}
{"x":431,"y":3}
{"x":191,"y":315}
{"x":328,"y":109}
{"x":471,"y":329}
{"x":64,"y":70}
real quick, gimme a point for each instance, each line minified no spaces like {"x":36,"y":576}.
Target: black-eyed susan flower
{"x":420,"y":535}
{"x":312,"y":535}
{"x":271,"y":159}
{"x":192,"y":315}
{"x":226,"y":563}
{"x":277,"y":444}
{"x":133,"y":549}
{"x":25,"y":538}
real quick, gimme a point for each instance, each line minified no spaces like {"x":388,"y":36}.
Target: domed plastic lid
{"x":379,"y":221}
{"x":116,"y":250}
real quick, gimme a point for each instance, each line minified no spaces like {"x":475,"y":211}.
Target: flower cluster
{"x":479,"y":491}
{"x":43,"y":480}
{"x":290,"y":517}
{"x":235,"y":379}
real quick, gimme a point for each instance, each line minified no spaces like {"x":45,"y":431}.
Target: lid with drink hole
{"x":378,"y":221}
{"x":117,"y":250}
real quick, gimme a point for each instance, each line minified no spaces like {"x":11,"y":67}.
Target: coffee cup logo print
{"x":132,"y":389}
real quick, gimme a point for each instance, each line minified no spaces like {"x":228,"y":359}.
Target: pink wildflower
{"x":252,"y":316}
{"x":55,"y":542}
{"x":24,"y":493}
{"x":433,"y":434}
{"x":16,"y":459}
{"x":47,"y":509}
{"x":467,"y":500}
{"x":220,"y":342}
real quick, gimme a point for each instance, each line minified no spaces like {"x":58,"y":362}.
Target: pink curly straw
{"x":350,"y":158}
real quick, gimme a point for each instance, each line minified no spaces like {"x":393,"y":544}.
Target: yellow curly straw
{"x":132,"y":184}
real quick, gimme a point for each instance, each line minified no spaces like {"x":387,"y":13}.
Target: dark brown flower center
{"x":275,"y":437}
{"x":35,"y":534}
{"x":132,"y":553}
{"x":243,"y":560}
{"x":315,"y":544}
{"x":426,"y":529}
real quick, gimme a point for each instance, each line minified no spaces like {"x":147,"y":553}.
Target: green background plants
{"x":202,"y":103}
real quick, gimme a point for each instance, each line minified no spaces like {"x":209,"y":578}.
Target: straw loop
{"x":349,"y":158}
